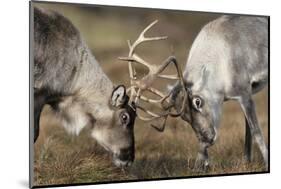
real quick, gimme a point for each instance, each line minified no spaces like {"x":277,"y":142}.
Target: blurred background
{"x":64,"y":159}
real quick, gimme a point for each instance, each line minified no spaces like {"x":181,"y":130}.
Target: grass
{"x":63,"y":159}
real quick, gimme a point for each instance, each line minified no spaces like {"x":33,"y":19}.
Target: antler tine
{"x":173,"y":77}
{"x":162,"y":127}
{"x":151,"y":114}
{"x":147,"y":28}
{"x":133,"y":57}
{"x":142,"y":38}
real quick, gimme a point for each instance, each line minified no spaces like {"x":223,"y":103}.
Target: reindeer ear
{"x":119,"y":97}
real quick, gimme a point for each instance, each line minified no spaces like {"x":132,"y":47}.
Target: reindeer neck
{"x":91,"y":80}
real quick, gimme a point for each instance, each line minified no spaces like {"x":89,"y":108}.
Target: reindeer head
{"x":117,"y":135}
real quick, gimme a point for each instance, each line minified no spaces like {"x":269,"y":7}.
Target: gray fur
{"x":69,"y":78}
{"x":227,"y":61}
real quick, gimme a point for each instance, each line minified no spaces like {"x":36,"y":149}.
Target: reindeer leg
{"x":206,"y":137}
{"x":248,"y":107}
{"x":202,"y":160}
{"x":248,"y":142}
{"x":39,"y":102}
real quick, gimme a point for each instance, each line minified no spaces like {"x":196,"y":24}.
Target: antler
{"x":145,"y":84}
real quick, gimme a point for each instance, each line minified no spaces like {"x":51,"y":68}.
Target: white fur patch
{"x":100,"y":137}
{"x":75,"y":126}
{"x":73,"y":116}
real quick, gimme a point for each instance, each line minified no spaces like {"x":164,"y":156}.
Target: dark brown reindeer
{"x":69,"y":79}
{"x":228,"y":61}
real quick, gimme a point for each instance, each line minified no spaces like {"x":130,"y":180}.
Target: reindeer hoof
{"x":201,"y":166}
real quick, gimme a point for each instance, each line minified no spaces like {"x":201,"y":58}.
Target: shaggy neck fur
{"x":90,"y":102}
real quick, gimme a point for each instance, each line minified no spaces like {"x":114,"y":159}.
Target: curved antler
{"x":145,"y":84}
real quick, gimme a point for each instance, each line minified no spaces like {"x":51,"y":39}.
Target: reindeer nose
{"x":127,"y":154}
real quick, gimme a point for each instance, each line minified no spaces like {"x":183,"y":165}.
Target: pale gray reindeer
{"x":227,"y":61}
{"x":69,"y":79}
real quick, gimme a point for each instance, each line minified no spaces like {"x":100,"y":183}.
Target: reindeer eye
{"x":197,"y":102}
{"x":125,"y":118}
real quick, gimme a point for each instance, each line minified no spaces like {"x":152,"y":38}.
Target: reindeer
{"x":227,"y":61}
{"x":69,"y":79}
